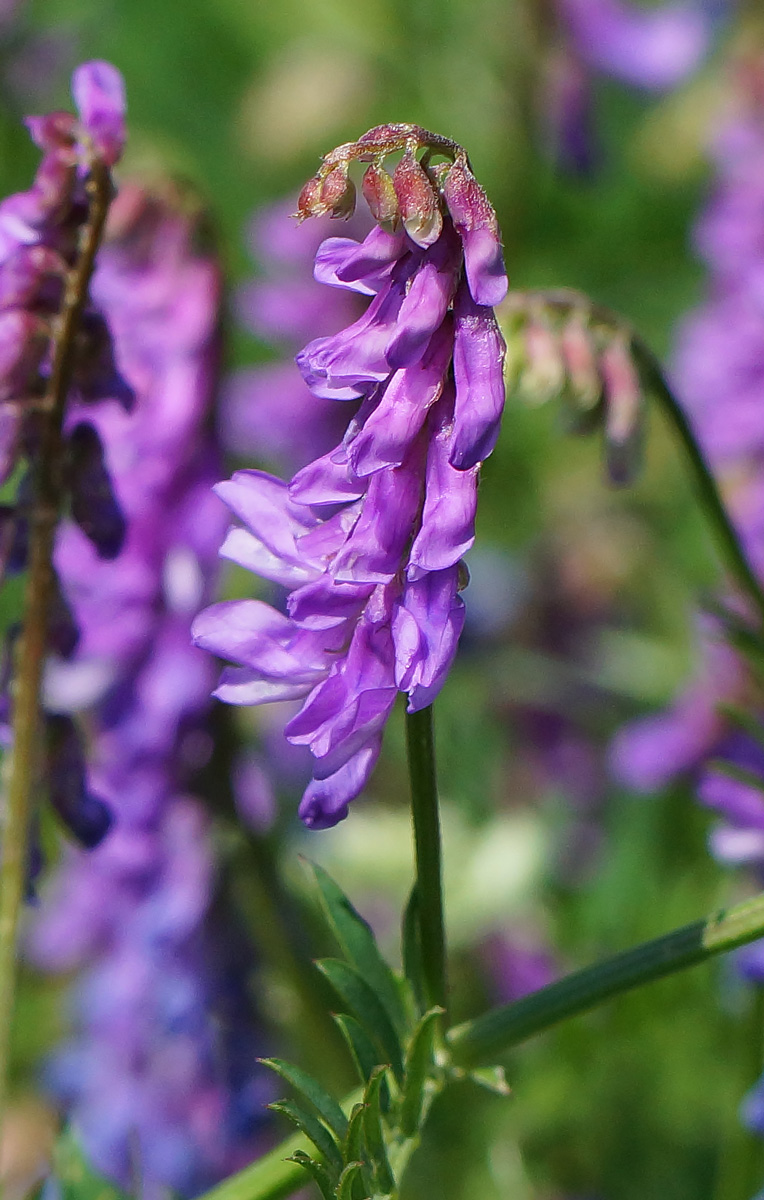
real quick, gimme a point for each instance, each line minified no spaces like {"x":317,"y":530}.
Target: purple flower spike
{"x":99,"y":93}
{"x":369,"y":537}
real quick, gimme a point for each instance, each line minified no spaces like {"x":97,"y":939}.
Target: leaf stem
{"x":429,"y":888}
{"x":44,"y":513}
{"x":484,"y":1037}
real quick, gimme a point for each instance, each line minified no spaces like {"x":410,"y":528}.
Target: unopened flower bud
{"x":476,"y":224}
{"x":417,"y":200}
{"x":337,"y":195}
{"x":624,"y":412}
{"x":379,"y":193}
{"x":544,"y":375}
{"x":309,"y":200}
{"x":580,"y":362}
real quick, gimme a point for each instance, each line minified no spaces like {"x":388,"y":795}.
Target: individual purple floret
{"x":368,"y":539}
{"x":159,"y":1076}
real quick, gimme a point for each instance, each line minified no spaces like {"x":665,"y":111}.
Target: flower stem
{"x":729,"y":541}
{"x":22,"y":766}
{"x":426,"y":820}
{"x":496,"y":1031}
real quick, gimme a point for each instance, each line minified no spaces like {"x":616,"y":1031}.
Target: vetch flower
{"x":161,"y":1058}
{"x":368,"y":539}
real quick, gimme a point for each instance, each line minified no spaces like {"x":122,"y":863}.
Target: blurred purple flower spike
{"x":161,"y":1060}
{"x":368,"y":539}
{"x":652,"y":48}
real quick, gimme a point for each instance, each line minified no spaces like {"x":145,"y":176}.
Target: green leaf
{"x":374,"y":1134}
{"x":325,"y":1105}
{"x":492,"y":1079}
{"x":359,"y":945}
{"x":318,"y":1133}
{"x":419,"y":1060}
{"x":316,"y":1170}
{"x":362,"y":1049}
{"x":412,"y":950}
{"x":345,"y":1187}
{"x":364,"y":1005}
{"x":353,"y":1149}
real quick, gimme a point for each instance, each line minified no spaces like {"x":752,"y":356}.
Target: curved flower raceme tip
{"x":368,"y":539}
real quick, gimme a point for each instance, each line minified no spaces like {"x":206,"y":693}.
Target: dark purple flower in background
{"x":653,"y":49}
{"x":159,"y":1076}
{"x":40,"y":234}
{"x":368,"y":539}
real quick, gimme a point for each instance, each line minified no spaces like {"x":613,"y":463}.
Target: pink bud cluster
{"x":415,"y":197}
{"x":559,"y":344}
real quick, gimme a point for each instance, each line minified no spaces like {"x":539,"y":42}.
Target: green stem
{"x":481,"y":1039}
{"x":429,"y":889}
{"x":45,"y":507}
{"x":729,"y":541}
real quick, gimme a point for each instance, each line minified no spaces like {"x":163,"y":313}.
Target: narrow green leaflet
{"x":353,"y":1147}
{"x":419,"y":1061}
{"x":325,"y":1105}
{"x":318,"y":1172}
{"x":363,"y":1004}
{"x":373,"y":1131}
{"x":362,"y":1049}
{"x":318,"y":1133}
{"x":492,"y":1079}
{"x":345,"y":1188}
{"x":359,"y":945}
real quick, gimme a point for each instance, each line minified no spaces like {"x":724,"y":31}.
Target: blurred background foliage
{"x":583,"y":597}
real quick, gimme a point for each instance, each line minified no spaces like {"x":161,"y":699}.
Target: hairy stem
{"x":45,"y":506}
{"x":481,"y":1039}
{"x":429,"y":888}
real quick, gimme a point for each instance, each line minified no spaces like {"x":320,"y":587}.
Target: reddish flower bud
{"x":337,"y":195}
{"x":580,"y":362}
{"x":478,"y":228}
{"x":624,"y":412}
{"x":418,"y":201}
{"x":544,"y":375}
{"x":379,"y":193}
{"x":309,"y":202}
